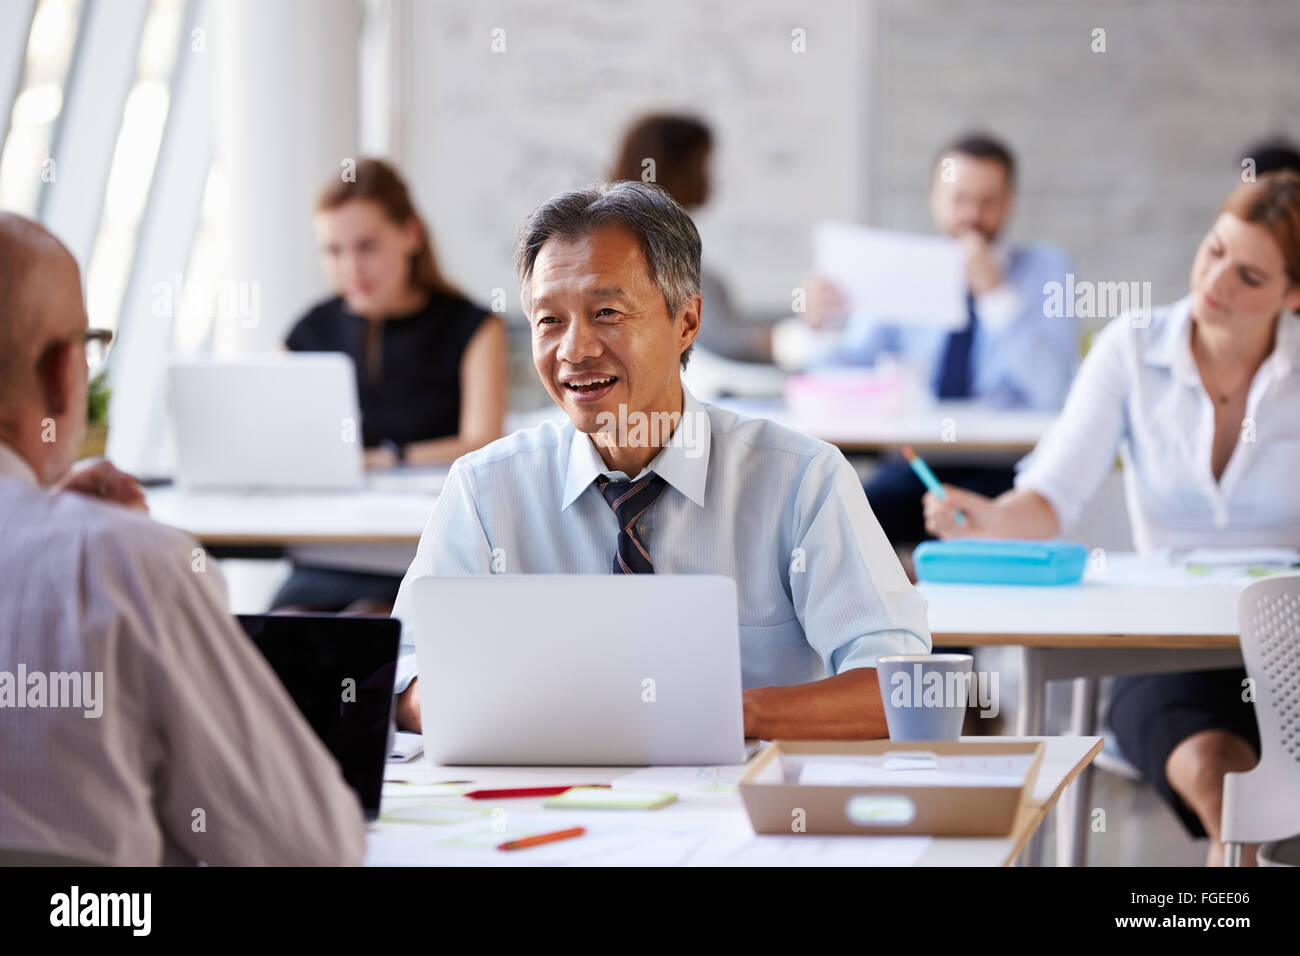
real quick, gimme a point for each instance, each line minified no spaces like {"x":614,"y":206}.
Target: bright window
{"x":25,"y":164}
{"x":131,"y":173}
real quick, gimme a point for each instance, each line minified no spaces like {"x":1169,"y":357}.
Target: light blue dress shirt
{"x":820,"y":590}
{"x":1021,"y":358}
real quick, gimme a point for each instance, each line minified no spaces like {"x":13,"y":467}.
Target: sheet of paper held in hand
{"x":894,"y":278}
{"x":915,"y":770}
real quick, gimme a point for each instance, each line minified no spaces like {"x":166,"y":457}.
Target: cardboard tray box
{"x":773,"y":801}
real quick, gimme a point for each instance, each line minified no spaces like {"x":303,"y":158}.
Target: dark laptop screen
{"x":340,"y":672}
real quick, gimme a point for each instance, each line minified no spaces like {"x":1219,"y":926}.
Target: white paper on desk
{"x":810,"y":850}
{"x":897,"y":278}
{"x":704,"y":782}
{"x":406,"y":746}
{"x":1245,"y":557}
{"x":649,"y":838}
{"x":1008,"y":771}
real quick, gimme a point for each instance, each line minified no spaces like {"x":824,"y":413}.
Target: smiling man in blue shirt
{"x":642,"y":478}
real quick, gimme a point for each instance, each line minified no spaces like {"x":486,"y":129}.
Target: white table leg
{"x":1029,"y":723}
{"x":1072,"y":812}
{"x":1033,"y":693}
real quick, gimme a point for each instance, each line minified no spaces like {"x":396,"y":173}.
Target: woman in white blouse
{"x":1202,"y":400}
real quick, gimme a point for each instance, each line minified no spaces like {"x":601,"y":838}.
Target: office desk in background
{"x":1142,"y":615}
{"x":390,"y":510}
{"x":976,"y":427}
{"x":426,"y":825}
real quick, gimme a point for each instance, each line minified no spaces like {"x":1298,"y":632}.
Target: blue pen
{"x":927,"y":477}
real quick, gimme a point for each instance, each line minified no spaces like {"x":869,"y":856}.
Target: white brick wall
{"x":1125,"y":155}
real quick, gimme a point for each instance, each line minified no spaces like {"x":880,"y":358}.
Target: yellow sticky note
{"x":610,"y":798}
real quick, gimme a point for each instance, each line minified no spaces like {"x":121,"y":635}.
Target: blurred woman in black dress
{"x":431,"y":365}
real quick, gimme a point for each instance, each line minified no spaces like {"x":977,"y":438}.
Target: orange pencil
{"x":542,"y":838}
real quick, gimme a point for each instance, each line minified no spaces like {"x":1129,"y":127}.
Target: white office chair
{"x":1280,"y":853}
{"x":1263,"y":804}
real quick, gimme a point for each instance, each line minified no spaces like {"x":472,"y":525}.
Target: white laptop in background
{"x":579,"y":670}
{"x":285,"y":421}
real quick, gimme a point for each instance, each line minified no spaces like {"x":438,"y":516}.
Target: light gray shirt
{"x":151,"y":729}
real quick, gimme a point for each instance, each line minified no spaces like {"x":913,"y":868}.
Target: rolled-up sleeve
{"x":453,"y":542}
{"x":849,"y":590}
{"x":1073,"y":458}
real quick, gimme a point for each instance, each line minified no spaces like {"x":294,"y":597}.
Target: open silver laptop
{"x":579,"y":670}
{"x":286,"y":422}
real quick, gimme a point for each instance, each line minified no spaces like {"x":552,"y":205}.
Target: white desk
{"x":974,"y":426}
{"x":1138,"y":616}
{"x":391,"y":510}
{"x":421,"y":826}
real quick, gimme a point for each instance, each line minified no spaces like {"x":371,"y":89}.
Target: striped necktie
{"x":630,"y":499}
{"x":954,"y":373}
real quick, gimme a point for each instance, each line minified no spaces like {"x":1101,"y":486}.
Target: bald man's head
{"x":40,"y":299}
{"x":43,"y":376}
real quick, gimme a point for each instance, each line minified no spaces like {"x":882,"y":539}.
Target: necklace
{"x":1222,"y":395}
{"x":1225,"y":395}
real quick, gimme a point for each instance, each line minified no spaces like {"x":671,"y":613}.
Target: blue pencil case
{"x":977,"y":561}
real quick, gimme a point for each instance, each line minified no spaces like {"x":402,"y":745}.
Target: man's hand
{"x":408,"y":708}
{"x":982,"y":272}
{"x":101,"y":479}
{"x":827,"y":304}
{"x":941,"y":514}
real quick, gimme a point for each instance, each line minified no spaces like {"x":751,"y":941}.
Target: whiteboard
{"x":494,"y":134}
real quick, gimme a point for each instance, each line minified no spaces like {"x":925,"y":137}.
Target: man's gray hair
{"x":669,"y":239}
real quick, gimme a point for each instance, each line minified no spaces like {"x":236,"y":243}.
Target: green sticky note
{"x":610,"y":798}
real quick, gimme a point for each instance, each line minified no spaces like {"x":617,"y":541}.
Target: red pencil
{"x":542,"y":838}
{"x":527,"y":791}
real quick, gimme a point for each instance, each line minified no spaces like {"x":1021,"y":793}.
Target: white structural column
{"x":285,"y":118}
{"x":98,"y":82}
{"x":385,"y":79}
{"x":13,"y":55}
{"x":138,"y":420}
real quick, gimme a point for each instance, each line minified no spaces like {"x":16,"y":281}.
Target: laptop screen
{"x":340,"y":673}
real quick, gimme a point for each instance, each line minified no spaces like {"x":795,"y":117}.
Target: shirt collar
{"x":1172,"y":348}
{"x":682,"y":463}
{"x":1286,"y":347}
{"x":13,"y":465}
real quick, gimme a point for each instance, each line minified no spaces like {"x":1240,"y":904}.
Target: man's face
{"x":602,"y":335}
{"x":969,"y":194}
